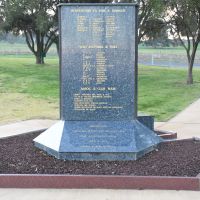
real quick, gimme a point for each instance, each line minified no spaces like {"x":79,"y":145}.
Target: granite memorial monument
{"x":98,"y":87}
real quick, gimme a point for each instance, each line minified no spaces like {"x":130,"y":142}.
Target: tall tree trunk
{"x":190,"y":75}
{"x":191,"y":64}
{"x":39,"y":59}
{"x":39,"y":53}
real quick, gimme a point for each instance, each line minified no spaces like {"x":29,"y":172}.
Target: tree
{"x":184,"y":18}
{"x":150,"y":14}
{"x":1,"y":18}
{"x":36,"y":20}
{"x":156,"y":32}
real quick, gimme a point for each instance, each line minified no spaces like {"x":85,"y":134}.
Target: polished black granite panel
{"x":106,"y":136}
{"x":98,"y":62}
{"x":148,"y":121}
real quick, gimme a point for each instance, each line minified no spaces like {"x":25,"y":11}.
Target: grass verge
{"x":163,"y":92}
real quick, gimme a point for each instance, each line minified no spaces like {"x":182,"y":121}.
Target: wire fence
{"x":17,"y":53}
{"x":166,"y":60}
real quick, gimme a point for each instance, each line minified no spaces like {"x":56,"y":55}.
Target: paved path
{"x":24,"y":127}
{"x":44,"y":194}
{"x":186,"y":123}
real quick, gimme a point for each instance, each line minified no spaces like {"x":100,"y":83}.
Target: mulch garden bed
{"x":178,"y":158}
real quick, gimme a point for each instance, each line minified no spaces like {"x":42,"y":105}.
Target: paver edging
{"x":99,"y":181}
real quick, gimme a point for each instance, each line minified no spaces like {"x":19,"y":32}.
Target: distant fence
{"x":14,"y":52}
{"x":24,"y":52}
{"x":166,"y":60}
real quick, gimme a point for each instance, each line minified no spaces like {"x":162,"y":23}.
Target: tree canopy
{"x":150,"y":13}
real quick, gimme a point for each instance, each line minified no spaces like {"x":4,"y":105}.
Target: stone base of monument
{"x":98,"y":140}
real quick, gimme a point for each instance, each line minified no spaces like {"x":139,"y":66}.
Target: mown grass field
{"x":27,"y":90}
{"x":30,"y":91}
{"x":163,"y":92}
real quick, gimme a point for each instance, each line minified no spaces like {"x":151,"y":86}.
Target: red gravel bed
{"x":179,"y":158}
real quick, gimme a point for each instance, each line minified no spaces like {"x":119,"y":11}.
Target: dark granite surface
{"x":98,"y":62}
{"x":102,"y":136}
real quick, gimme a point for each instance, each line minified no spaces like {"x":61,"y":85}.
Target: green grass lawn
{"x":28,"y":90}
{"x":163,"y":92}
{"x":21,"y":75}
{"x":31,"y":91}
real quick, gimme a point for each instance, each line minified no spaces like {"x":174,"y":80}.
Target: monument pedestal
{"x":97,"y":140}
